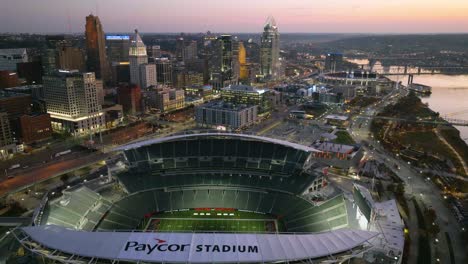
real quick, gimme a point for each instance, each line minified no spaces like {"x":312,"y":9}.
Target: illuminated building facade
{"x":140,"y":74}
{"x":96,"y":48}
{"x":246,"y":95}
{"x":168,"y":100}
{"x":226,"y":115}
{"x":269,"y":50}
{"x":117,"y":48}
{"x":72,"y":102}
{"x":164,"y":71}
{"x":243,"y":67}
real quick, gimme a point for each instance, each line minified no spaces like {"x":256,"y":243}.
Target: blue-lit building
{"x":117,"y":48}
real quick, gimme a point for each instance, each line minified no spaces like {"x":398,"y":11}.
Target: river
{"x":449,"y":95}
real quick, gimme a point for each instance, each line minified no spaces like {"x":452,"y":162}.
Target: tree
{"x":430,"y":215}
{"x":64,"y":178}
{"x":400,"y":189}
{"x":433,"y":229}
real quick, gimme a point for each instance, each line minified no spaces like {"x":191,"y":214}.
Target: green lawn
{"x":213,"y":220}
{"x":344,"y":137}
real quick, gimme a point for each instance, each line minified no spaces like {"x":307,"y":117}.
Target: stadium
{"x":205,"y":198}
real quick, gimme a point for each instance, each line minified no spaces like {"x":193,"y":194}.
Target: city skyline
{"x":295,"y":16}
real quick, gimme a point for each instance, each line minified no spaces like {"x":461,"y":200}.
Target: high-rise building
{"x":164,"y":71}
{"x":186,"y":51}
{"x":117,"y":48}
{"x":243,"y":67}
{"x":96,"y":49}
{"x":70,"y":58}
{"x":153,"y":52}
{"x":269,"y":50}
{"x":120,"y":72}
{"x":223,"y":70}
{"x":49,"y":53}
{"x":129,"y":96}
{"x":100,"y":92}
{"x":226,"y":56}
{"x":58,"y":53}
{"x":137,"y":57}
{"x":72,"y":102}
{"x":179,"y":52}
{"x":147,"y":75}
{"x":190,"y":51}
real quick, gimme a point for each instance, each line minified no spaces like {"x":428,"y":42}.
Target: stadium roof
{"x":177,"y":137}
{"x":194,"y":247}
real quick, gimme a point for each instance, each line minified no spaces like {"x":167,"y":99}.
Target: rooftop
{"x":335,"y":148}
{"x":231,"y":135}
{"x":337,"y":117}
{"x":244,"y":88}
{"x":12,"y":51}
{"x":262,"y":247}
{"x":226,"y":106}
{"x":8,"y":94}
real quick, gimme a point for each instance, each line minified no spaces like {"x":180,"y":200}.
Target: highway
{"x":48,"y":171}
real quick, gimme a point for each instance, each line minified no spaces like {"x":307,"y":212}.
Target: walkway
{"x":460,"y":158}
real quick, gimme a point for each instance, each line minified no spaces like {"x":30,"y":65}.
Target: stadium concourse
{"x":208,"y":198}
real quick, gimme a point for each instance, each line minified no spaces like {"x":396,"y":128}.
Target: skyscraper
{"x":269,"y":50}
{"x":243,"y":67}
{"x":164,"y":71}
{"x":147,"y":75}
{"x":72,"y":101}
{"x":153,"y":52}
{"x":49,"y":53}
{"x":96,"y":48}
{"x":70,"y":58}
{"x":226,"y":56}
{"x":137,"y":57}
{"x":117,"y":48}
{"x":180,"y":45}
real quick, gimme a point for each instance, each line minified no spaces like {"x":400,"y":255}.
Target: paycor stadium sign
{"x":201,"y":248}
{"x":195,"y":247}
{"x":163,"y":246}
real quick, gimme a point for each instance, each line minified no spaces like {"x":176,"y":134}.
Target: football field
{"x":212,"y":220}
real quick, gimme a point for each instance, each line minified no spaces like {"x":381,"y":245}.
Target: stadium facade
{"x":203,"y":198}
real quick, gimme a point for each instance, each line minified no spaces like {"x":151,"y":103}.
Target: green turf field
{"x":213,"y":220}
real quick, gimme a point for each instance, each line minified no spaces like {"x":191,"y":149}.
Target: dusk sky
{"x":311,"y":16}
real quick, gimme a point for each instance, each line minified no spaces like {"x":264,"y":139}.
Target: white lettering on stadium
{"x":162,"y":247}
